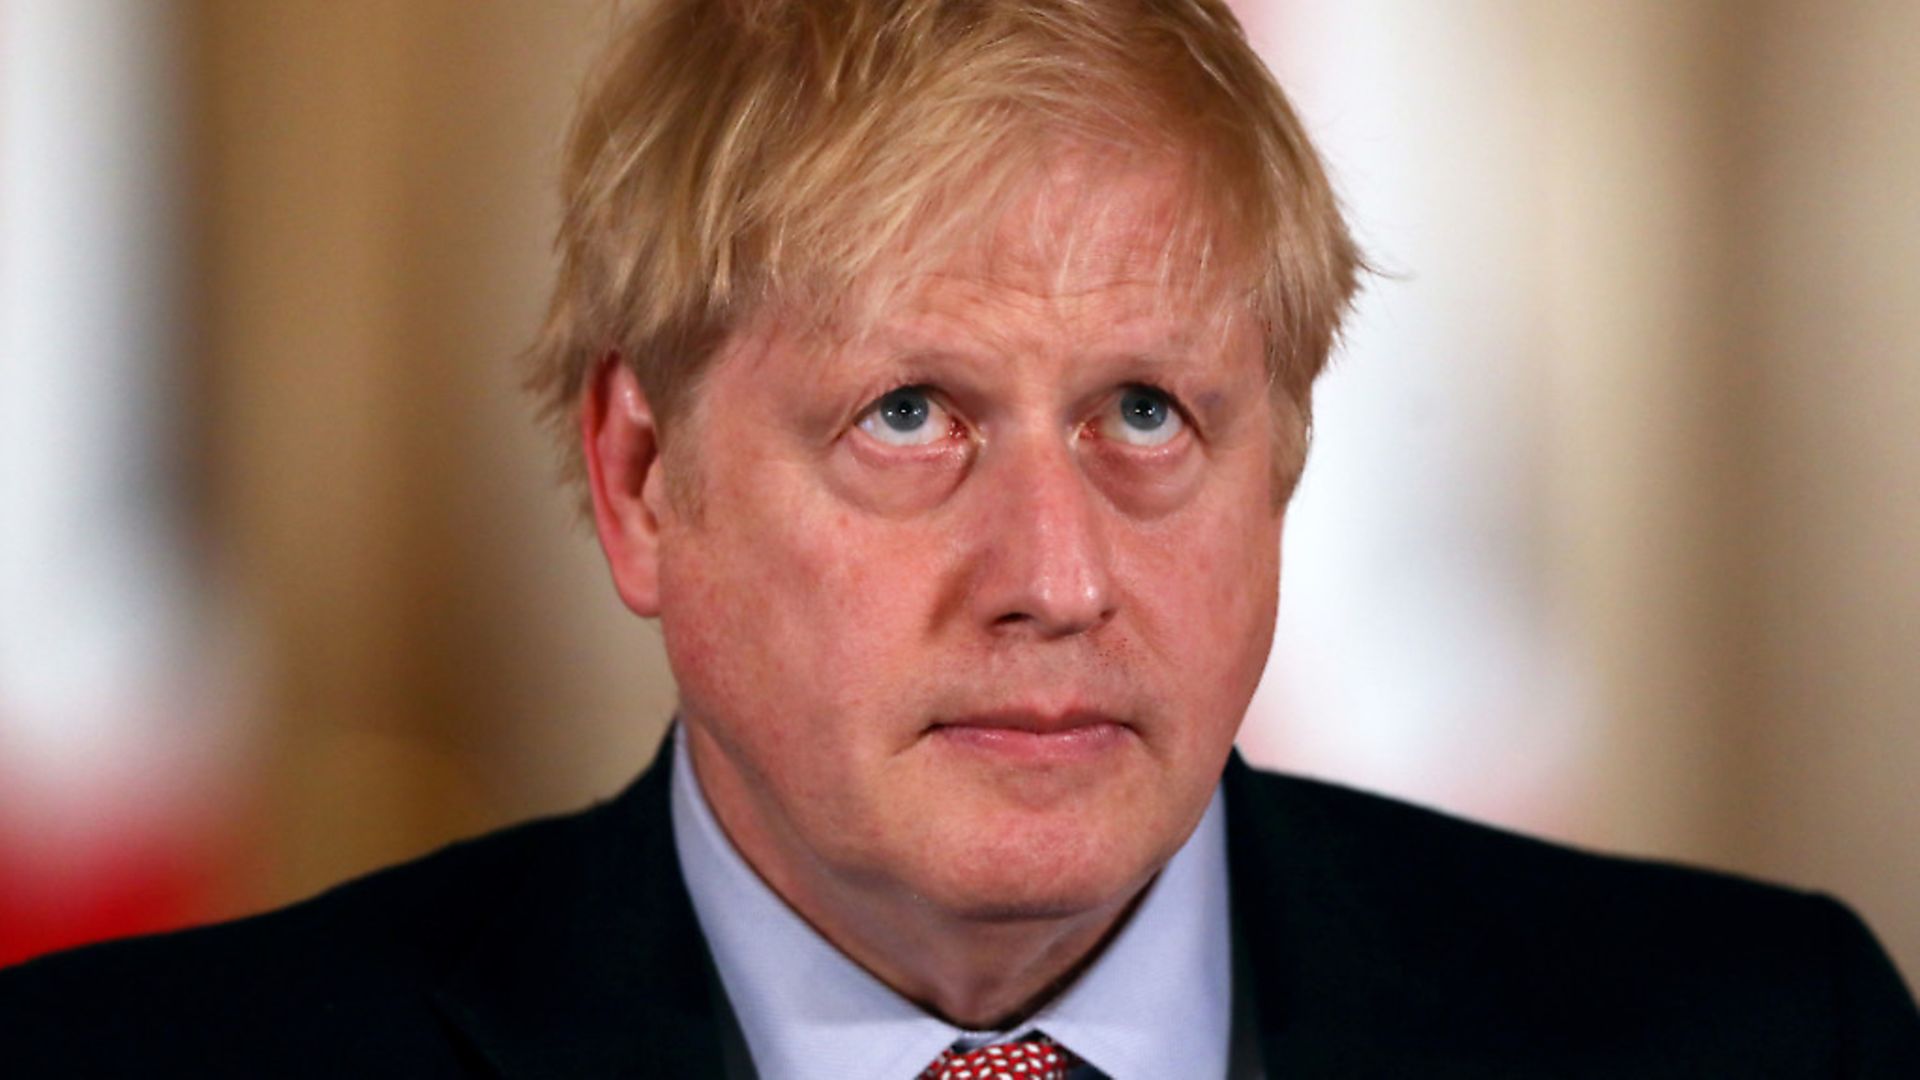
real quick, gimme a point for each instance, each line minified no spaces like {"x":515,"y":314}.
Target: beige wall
{"x":1729,"y":228}
{"x":437,"y":649}
{"x":1824,"y":350}
{"x":1737,"y":217}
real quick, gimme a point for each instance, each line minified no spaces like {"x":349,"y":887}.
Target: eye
{"x":908,"y":416}
{"x":1142,"y":416}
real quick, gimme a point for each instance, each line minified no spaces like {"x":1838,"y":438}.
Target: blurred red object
{"x":125,"y":886}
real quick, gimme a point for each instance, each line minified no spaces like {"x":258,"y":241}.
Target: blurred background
{"x":1609,"y":534}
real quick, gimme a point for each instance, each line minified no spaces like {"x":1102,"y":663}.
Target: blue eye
{"x":908,"y":416}
{"x":1142,"y":416}
{"x":1143,"y":411}
{"x":905,"y":410}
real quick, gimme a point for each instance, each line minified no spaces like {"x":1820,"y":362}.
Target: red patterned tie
{"x":1029,"y":1059}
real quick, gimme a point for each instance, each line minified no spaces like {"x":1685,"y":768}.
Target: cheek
{"x":1207,"y":584}
{"x":793,"y":609}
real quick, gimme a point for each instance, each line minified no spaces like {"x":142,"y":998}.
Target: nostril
{"x":1049,"y":620}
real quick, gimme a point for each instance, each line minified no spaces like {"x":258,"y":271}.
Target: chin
{"x":1023,"y":902}
{"x":1040,"y":873}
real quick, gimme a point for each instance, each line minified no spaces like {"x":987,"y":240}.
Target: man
{"x":937,"y":372}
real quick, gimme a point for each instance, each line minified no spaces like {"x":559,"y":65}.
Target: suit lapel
{"x":597,"y":967}
{"x":1301,"y":941}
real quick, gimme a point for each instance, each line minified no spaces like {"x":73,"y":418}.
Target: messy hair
{"x":728,"y":153}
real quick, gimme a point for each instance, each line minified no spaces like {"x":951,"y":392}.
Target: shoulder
{"x":1392,"y":849}
{"x":312,"y":982}
{"x":1449,"y":918}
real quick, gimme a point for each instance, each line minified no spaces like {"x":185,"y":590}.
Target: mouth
{"x":1034,"y":737}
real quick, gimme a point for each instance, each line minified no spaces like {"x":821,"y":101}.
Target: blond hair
{"x":731,"y":152}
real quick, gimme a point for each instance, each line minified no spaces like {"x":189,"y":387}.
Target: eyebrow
{"x":1172,"y":361}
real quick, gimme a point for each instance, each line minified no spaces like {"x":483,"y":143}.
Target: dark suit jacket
{"x":1379,"y":940}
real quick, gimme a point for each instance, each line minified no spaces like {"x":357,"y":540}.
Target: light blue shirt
{"x":1157,"y":1002}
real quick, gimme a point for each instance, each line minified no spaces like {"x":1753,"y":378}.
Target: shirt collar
{"x":1157,"y":1002}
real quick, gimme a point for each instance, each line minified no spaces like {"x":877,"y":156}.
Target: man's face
{"x":974,"y":601}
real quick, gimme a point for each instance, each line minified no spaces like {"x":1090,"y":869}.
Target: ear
{"x":621,"y":446}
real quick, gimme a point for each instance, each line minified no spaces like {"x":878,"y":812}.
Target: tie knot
{"x":1027,"y":1059}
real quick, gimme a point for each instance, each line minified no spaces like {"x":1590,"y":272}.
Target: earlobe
{"x":620,"y":443}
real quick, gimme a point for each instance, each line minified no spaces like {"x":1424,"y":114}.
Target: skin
{"x":957,"y":702}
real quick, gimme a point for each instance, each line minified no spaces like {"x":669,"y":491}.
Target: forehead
{"x":1117,"y":241}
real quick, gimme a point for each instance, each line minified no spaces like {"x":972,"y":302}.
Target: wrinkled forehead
{"x":1082,"y":222}
{"x":1120,"y":232}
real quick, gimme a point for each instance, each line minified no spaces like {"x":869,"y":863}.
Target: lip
{"x":1034,"y":736}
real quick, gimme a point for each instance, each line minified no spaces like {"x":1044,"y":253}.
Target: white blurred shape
{"x":1415,"y":650}
{"x":95,"y":623}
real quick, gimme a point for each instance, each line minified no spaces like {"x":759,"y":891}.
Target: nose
{"x":1043,"y":564}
